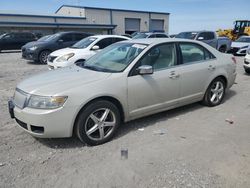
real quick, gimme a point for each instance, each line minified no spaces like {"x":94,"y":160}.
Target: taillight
{"x":234,"y":60}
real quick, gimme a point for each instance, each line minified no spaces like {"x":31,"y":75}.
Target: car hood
{"x":58,"y":81}
{"x":239,"y":44}
{"x":34,"y":43}
{"x":65,"y":51}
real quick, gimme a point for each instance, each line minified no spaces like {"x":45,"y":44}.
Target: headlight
{"x":43,"y":102}
{"x":33,"y":48}
{"x":243,"y":47}
{"x":65,"y":57}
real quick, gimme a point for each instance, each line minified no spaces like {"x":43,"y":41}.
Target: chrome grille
{"x":20,"y":98}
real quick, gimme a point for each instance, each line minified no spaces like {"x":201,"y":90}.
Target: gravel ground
{"x":192,"y":146}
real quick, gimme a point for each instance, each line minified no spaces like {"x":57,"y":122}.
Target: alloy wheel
{"x":100,"y":124}
{"x":216,"y":92}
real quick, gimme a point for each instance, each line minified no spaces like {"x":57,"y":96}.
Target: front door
{"x":148,"y":94}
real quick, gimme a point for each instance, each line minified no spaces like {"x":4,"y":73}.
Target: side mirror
{"x":145,"y":69}
{"x":200,"y":38}
{"x":95,"y":47}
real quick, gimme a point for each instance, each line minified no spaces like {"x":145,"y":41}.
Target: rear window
{"x":194,"y":53}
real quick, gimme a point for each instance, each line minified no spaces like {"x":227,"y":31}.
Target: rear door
{"x":197,"y":66}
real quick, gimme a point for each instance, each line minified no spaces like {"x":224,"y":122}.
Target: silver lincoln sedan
{"x":125,"y":81}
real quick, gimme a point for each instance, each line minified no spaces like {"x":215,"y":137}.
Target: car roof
{"x":74,"y":32}
{"x":196,"y":31}
{"x":109,"y":36}
{"x":154,"y":41}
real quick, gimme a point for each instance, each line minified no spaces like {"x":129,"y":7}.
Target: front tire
{"x":223,"y":49}
{"x":97,"y":123}
{"x":247,"y":71}
{"x":215,"y":93}
{"x":43,"y":56}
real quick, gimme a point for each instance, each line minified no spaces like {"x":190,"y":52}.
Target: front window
{"x":244,"y":39}
{"x":186,"y":35}
{"x":84,"y":43}
{"x":114,"y":58}
{"x":160,"y":57}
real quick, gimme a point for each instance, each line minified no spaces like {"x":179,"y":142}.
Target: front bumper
{"x":29,"y":55}
{"x":56,"y":123}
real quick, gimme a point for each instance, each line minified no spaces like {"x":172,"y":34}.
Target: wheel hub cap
{"x":100,"y":124}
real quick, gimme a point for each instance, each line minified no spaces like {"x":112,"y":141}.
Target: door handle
{"x":173,"y":75}
{"x":211,"y":67}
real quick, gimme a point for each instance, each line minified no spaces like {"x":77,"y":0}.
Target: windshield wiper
{"x":91,"y":67}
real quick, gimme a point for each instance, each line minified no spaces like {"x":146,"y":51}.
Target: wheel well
{"x":106,"y":98}
{"x":223,"y":78}
{"x":44,"y":50}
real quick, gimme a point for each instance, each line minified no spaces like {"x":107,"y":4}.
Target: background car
{"x":39,"y":51}
{"x":125,"y":81}
{"x":14,"y":41}
{"x":143,"y":35}
{"x":223,"y":44}
{"x":246,"y":64}
{"x":81,"y":50}
{"x":240,"y":46}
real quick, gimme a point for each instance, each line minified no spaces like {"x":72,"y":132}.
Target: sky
{"x":185,"y":15}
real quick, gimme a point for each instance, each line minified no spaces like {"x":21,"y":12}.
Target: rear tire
{"x":97,"y":123}
{"x":43,"y":56}
{"x":215,"y":93}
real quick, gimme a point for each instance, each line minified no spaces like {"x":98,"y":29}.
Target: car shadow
{"x":73,"y":142}
{"x":34,"y":63}
{"x":12,"y":51}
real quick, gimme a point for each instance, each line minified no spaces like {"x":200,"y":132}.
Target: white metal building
{"x":87,"y":19}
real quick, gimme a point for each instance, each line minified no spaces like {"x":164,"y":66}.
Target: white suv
{"x":82,"y":50}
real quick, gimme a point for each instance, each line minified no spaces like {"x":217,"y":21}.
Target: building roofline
{"x":60,"y":24}
{"x":42,"y":16}
{"x":111,"y":9}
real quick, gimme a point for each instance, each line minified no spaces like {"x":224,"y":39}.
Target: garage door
{"x":157,"y":25}
{"x":132,"y":25}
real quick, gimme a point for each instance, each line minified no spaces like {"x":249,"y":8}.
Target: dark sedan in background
{"x":14,"y":41}
{"x":38,"y":51}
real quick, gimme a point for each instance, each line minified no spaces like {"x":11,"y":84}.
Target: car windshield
{"x":1,"y":36}
{"x":140,"y":36}
{"x":186,"y":35}
{"x":84,"y":43}
{"x":243,"y":39}
{"x":44,"y":38}
{"x":52,"y":37}
{"x":114,"y":58}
